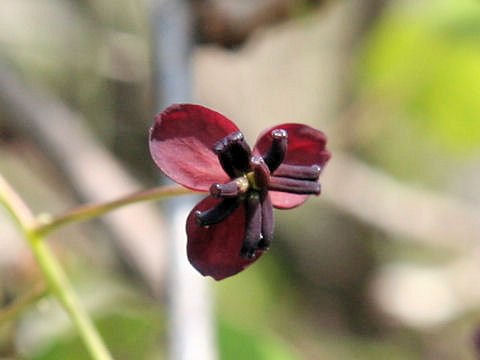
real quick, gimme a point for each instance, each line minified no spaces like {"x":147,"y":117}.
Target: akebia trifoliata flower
{"x":204,"y":151}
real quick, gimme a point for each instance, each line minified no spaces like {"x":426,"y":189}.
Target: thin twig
{"x":60,"y":286}
{"x":14,"y":309}
{"x":89,"y":211}
{"x":15,"y":205}
{"x":412,"y":212}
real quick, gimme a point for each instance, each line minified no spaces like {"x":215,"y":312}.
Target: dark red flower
{"x":204,"y":151}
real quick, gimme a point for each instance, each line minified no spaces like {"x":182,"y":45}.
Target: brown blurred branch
{"x":94,"y":173}
{"x":12,"y":311}
{"x":230,"y":23}
{"x":399,"y":208}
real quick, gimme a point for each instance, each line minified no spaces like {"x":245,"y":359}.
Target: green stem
{"x":89,"y":211}
{"x":53,"y":273}
{"x":60,"y":286}
{"x":15,"y":205}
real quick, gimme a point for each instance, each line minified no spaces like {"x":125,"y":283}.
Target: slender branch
{"x":53,"y":273}
{"x":60,"y":286}
{"x":11,"y":311}
{"x":414,"y":213}
{"x":89,"y":211}
{"x":15,"y":205}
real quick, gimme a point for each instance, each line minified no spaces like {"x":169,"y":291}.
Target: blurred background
{"x":383,"y":265}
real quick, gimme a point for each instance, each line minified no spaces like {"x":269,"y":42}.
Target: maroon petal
{"x":215,"y":250}
{"x":306,"y":146}
{"x":181,"y":142}
{"x":283,"y":200}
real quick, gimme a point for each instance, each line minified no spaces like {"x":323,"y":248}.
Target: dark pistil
{"x":253,"y":232}
{"x":298,"y":172}
{"x":277,"y":151}
{"x":260,"y":172}
{"x":294,"y":185}
{"x":225,"y":158}
{"x":267,"y":223}
{"x":234,"y":154}
{"x":218,"y":213}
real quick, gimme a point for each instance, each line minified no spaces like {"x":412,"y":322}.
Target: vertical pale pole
{"x":191,"y":325}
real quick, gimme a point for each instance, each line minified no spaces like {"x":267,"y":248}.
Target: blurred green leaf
{"x":129,"y":334}
{"x":424,"y":61}
{"x":252,"y":305}
{"x":240,"y":344}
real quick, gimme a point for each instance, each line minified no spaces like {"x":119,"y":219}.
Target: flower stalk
{"x":55,"y":277}
{"x":60,"y":286}
{"x":47,"y":223}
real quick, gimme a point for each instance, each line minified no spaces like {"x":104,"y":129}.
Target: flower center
{"x":252,"y":178}
{"x":251,"y":181}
